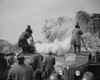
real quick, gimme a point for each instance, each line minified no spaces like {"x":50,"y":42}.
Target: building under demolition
{"x":94,"y":25}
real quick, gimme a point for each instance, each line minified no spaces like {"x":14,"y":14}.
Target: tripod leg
{"x":70,"y":48}
{"x":75,"y":47}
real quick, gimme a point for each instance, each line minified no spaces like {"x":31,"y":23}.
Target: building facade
{"x":94,"y":25}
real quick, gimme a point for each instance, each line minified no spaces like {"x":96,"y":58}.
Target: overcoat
{"x":49,"y":65}
{"x":20,"y":72}
{"x":22,"y":42}
{"x":76,"y":36}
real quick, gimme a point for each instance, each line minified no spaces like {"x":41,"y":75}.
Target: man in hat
{"x":96,"y":57}
{"x":49,"y":65}
{"x":20,"y":71}
{"x":23,"y":39}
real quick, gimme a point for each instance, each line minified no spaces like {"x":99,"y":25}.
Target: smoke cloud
{"x":59,"y":47}
{"x":58,"y":35}
{"x":83,"y":18}
{"x":58,"y":28}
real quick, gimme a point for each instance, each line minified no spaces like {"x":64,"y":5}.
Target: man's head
{"x":97,"y":52}
{"x":20,"y":58}
{"x":1,"y":54}
{"x":29,"y":29}
{"x":50,"y":53}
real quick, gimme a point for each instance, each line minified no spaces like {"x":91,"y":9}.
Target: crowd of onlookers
{"x":35,"y":67}
{"x":16,"y":67}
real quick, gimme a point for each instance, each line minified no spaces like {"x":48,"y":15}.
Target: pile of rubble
{"x":92,"y":42}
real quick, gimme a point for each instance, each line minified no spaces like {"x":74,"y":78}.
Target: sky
{"x":15,"y":15}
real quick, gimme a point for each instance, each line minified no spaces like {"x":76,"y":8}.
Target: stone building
{"x":94,"y":25}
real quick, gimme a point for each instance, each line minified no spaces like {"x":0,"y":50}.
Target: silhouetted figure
{"x":90,"y":57}
{"x":11,"y":58}
{"x":49,"y":65}
{"x":3,"y":67}
{"x":23,"y":40}
{"x":76,"y":38}
{"x":20,"y":71}
{"x":96,"y":57}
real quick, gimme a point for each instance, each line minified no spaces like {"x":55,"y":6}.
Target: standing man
{"x":20,"y":71}
{"x":49,"y":65}
{"x":36,"y":63}
{"x":96,"y":57}
{"x":3,"y":66}
{"x":76,"y":38}
{"x":23,"y":39}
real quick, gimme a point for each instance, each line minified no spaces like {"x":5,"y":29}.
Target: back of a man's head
{"x":97,"y":52}
{"x":50,"y":53}
{"x":20,"y":58}
{"x":1,"y":55}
